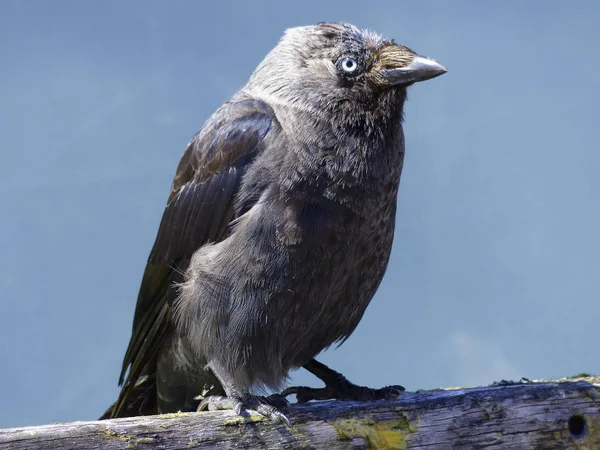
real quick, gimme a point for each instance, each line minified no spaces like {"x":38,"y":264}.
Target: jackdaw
{"x":278,"y":228}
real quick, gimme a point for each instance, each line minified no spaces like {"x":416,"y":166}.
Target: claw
{"x":273,"y":413}
{"x":389,"y":393}
{"x":266,"y":406}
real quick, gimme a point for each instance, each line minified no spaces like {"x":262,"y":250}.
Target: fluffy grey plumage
{"x":279,"y":225}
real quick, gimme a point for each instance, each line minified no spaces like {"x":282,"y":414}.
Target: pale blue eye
{"x":349,"y":65}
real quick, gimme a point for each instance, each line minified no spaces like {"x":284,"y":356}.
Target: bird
{"x":277,"y":230}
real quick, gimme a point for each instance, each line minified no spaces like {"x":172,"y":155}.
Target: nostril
{"x":576,"y":424}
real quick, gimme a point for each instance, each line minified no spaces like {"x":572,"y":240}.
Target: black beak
{"x":420,"y":69}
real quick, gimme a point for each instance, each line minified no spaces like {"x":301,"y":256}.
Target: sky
{"x":495,"y":269}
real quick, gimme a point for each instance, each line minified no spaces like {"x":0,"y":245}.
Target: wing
{"x":199,"y":209}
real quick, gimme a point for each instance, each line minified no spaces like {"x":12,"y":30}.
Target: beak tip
{"x":428,"y":65}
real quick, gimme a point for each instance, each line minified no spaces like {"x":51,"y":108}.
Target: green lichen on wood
{"x":241,"y":420}
{"x":588,"y":439}
{"x":132,"y":441}
{"x":234,"y":427}
{"x":591,"y":438}
{"x":390,"y":435}
{"x":113,"y":435}
{"x":301,"y":435}
{"x":581,"y":375}
{"x":174,"y":415}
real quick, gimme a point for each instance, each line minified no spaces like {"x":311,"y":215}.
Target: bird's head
{"x":325,"y":66}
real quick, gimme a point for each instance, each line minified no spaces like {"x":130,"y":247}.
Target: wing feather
{"x":199,"y":209}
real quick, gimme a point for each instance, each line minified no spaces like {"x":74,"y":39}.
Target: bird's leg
{"x":338,"y":387}
{"x":240,"y":401}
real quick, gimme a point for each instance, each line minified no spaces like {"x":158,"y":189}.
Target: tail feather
{"x":141,"y":401}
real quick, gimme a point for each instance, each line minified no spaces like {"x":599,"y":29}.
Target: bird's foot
{"x":343,"y":390}
{"x":270,"y":406}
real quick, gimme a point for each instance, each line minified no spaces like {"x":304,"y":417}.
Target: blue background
{"x":495,"y":269}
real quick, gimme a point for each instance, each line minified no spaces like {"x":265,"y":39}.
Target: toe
{"x":389,"y":392}
{"x":215,"y":403}
{"x":273,"y":413}
{"x":267,"y":406}
{"x":306,"y":394}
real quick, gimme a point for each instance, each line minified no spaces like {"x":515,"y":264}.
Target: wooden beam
{"x":561,"y":414}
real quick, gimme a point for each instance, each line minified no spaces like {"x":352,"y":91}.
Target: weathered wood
{"x":561,"y":414}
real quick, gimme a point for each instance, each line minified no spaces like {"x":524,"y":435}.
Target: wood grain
{"x":562,"y":414}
